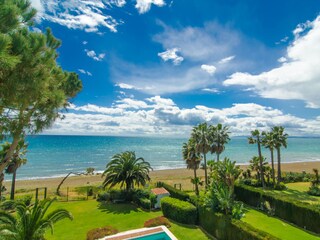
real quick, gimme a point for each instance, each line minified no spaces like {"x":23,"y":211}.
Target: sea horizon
{"x":52,"y":156}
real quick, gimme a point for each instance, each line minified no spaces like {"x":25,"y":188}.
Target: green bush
{"x":145,"y":203}
{"x":280,"y":186}
{"x":314,"y":190}
{"x":103,"y":197}
{"x":223,"y":227}
{"x":158,"y":221}
{"x":300,"y":213}
{"x":98,"y":233}
{"x":291,"y":177}
{"x":26,"y":199}
{"x":175,"y":193}
{"x":180,"y":211}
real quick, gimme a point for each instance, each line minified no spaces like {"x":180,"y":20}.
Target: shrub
{"x":180,"y":211}
{"x":25,"y":199}
{"x":8,"y":205}
{"x":291,"y":177}
{"x":98,"y":233}
{"x":300,"y":213}
{"x":175,"y":193}
{"x":314,"y":191}
{"x":280,"y":186}
{"x":103,"y":196}
{"x":145,"y":203}
{"x":158,"y":221}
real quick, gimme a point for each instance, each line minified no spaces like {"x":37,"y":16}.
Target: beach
{"x":171,"y":176}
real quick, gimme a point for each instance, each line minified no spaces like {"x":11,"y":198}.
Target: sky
{"x":160,"y":67}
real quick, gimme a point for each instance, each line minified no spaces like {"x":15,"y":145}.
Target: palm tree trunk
{"x":272,"y":165}
{"x":261,"y":166}
{"x":1,"y":184}
{"x":279,"y":164}
{"x":13,"y":184}
{"x":205,"y":170}
{"x":196,"y":182}
{"x":218,"y":150}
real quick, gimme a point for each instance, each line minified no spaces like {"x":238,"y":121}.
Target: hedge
{"x":224,"y":228}
{"x":180,"y":211}
{"x":175,"y":193}
{"x":302,"y":214}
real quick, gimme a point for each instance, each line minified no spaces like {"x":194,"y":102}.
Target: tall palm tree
{"x":268,"y":141}
{"x":126,"y":169}
{"x":193,"y":159}
{"x":16,"y":161}
{"x":280,"y":141}
{"x":30,"y":223}
{"x":220,"y":137}
{"x":255,"y":138}
{"x":200,"y":135}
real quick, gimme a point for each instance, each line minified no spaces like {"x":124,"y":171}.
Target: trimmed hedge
{"x":302,"y":214}
{"x":224,"y":228}
{"x":158,"y":221}
{"x":180,"y":211}
{"x":175,"y":193}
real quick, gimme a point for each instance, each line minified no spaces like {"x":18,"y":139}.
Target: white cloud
{"x":126,"y":86}
{"x":85,"y":72}
{"x":161,"y":116}
{"x":89,"y":16}
{"x":282,"y":60}
{"x":211,"y":90}
{"x":171,"y":54}
{"x":92,"y":54}
{"x":209,"y":68}
{"x":84,"y":42}
{"x":227,"y":59}
{"x":298,"y":77}
{"x":144,"y":6}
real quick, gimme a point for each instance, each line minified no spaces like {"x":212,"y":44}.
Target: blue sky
{"x":159,"y":67}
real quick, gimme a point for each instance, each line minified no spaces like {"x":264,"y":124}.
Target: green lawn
{"x":276,"y":227}
{"x":91,"y":214}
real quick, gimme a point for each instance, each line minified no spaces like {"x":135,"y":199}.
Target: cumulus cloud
{"x":298,"y":77}
{"x":211,"y":90}
{"x":144,"y":6}
{"x":92,"y":54}
{"x":171,"y":54}
{"x":208,"y":68}
{"x":156,"y":116}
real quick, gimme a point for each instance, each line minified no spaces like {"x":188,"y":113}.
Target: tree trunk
{"x":196,"y":183}
{"x":1,"y":184}
{"x":58,"y":188}
{"x":272,"y":166}
{"x":218,"y":150}
{"x":279,"y":164}
{"x":13,"y":184}
{"x":261,"y":165}
{"x":205,"y":170}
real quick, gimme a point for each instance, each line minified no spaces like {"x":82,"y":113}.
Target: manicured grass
{"x":91,"y":214}
{"x":275,"y":226}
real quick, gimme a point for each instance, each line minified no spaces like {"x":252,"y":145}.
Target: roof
{"x":159,"y":191}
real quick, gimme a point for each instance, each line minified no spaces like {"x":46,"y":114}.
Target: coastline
{"x":171,"y":176}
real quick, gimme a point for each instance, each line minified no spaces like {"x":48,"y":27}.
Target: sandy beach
{"x":171,"y":176}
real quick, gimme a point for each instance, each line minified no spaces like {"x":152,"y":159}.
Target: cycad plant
{"x":30,"y":223}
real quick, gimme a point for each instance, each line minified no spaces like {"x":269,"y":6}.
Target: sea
{"x":54,"y":156}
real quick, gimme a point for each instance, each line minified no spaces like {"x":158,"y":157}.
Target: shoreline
{"x":171,"y":176}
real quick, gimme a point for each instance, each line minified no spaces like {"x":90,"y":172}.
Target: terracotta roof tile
{"x":158,"y":191}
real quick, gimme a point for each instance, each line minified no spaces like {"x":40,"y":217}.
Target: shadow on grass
{"x":117,"y":208}
{"x":301,"y":196}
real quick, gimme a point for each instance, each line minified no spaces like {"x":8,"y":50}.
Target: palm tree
{"x":220,"y":137}
{"x":269,"y":142}
{"x":256,"y":139}
{"x":280,"y":141}
{"x":30,"y":223}
{"x":193,"y":159}
{"x":200,"y":135}
{"x":127,"y":170}
{"x":16,"y":161}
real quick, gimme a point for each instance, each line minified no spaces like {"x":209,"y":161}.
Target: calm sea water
{"x":51,"y":156}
